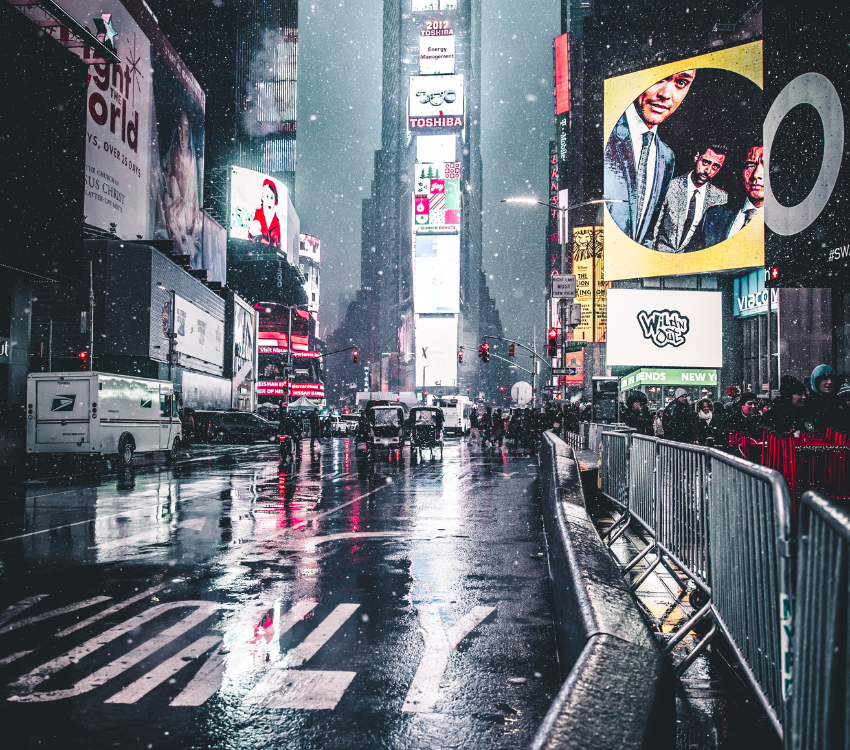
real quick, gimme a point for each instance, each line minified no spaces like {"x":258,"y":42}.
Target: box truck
{"x":101,"y":414}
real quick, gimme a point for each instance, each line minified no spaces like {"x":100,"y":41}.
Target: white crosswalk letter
{"x":424,"y":691}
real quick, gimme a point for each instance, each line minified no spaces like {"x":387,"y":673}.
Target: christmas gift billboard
{"x":436,"y":198}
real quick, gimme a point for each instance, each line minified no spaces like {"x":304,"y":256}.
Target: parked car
{"x":203,"y":424}
{"x":241,"y":427}
{"x":338,"y":427}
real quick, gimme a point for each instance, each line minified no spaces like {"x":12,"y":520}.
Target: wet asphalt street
{"x":241,"y":603}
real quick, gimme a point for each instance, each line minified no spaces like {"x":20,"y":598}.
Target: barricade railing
{"x":749,"y":549}
{"x":614,"y":479}
{"x":576,"y":441}
{"x":820,"y":699}
{"x":723,"y":523}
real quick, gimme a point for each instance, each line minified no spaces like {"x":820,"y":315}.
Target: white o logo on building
{"x":817,"y":90}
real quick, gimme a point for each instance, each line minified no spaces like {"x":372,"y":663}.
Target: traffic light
{"x":84,"y":358}
{"x":553,"y":342}
{"x":484,"y":352}
{"x":512,"y":350}
{"x":460,"y":356}
{"x":354,"y":356}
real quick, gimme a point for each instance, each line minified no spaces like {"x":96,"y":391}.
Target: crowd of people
{"x":801,"y":408}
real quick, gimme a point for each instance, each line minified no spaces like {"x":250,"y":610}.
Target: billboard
{"x":436,"y":350}
{"x":436,"y":198}
{"x":259,"y":207}
{"x":215,"y":250}
{"x":664,"y":328}
{"x":436,"y":54}
{"x":589,"y":273}
{"x":198,"y":334}
{"x":310,"y":249}
{"x":436,"y":148}
{"x":749,"y":296}
{"x":144,"y":132}
{"x":683,"y":165}
{"x":244,"y":353}
{"x":561,"y":50}
{"x":420,"y":5}
{"x":806,"y":176}
{"x":436,"y":102}
{"x":436,"y":273}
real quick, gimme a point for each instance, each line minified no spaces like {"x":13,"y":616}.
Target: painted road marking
{"x":310,"y":544}
{"x":80,"y":523}
{"x":320,"y":636}
{"x":109,"y":611}
{"x":424,"y":691}
{"x":54,"y":613}
{"x":14,"y":657}
{"x":16,"y":609}
{"x":303,"y":689}
{"x":170,"y":667}
{"x":208,"y":681}
{"x":197,"y":524}
{"x":25,"y":685}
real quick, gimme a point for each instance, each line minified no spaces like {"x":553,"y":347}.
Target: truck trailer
{"x":101,"y":414}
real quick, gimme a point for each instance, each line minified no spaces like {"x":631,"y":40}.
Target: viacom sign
{"x":806,"y":177}
{"x":664,"y":328}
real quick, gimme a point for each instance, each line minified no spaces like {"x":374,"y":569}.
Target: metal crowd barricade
{"x":820,"y":700}
{"x":575,"y":441}
{"x":614,"y":479}
{"x":749,"y":549}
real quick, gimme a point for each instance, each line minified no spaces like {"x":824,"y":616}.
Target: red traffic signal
{"x":84,"y":358}
{"x":460,"y":356}
{"x":354,"y":356}
{"x":552,"y":348}
{"x":484,"y":351}
{"x":512,"y":350}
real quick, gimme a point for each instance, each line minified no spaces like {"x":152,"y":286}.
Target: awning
{"x":669,"y":376}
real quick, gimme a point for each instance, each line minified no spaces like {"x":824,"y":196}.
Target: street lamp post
{"x":562,"y":236}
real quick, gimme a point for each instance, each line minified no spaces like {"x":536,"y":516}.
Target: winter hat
{"x":844,"y":391}
{"x":746,"y":396}
{"x":821,"y":371}
{"x":633,"y":396}
{"x":681,"y":392}
{"x":789,"y":385}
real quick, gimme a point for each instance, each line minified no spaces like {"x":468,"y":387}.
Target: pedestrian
{"x":637,"y":414}
{"x":315,"y":428}
{"x":658,"y":423}
{"x":706,"y":423}
{"x":498,"y":428}
{"x":788,"y":415}
{"x":679,"y":419}
{"x":474,"y":431}
{"x":487,"y":426}
{"x":744,"y":416}
{"x":825,"y":408}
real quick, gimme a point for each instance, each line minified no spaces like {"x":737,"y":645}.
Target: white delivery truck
{"x":456,"y":410}
{"x":100,"y":414}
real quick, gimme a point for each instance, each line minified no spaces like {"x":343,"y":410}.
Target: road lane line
{"x":350,"y":502}
{"x":54,"y":613}
{"x":170,"y":667}
{"x":299,"y":689}
{"x":14,"y":657}
{"x":208,"y":680}
{"x":424,"y":691}
{"x":193,"y":523}
{"x":16,"y":609}
{"x":319,"y":637}
{"x":26,"y":683}
{"x":79,"y":523}
{"x":109,"y":611}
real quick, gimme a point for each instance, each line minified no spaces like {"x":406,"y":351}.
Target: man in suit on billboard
{"x":638,"y":164}
{"x":688,"y":198}
{"x":723,"y":222}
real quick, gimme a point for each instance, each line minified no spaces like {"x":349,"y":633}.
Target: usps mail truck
{"x":101,"y":414}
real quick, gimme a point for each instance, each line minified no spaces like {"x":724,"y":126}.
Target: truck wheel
{"x":173,"y":453}
{"x":126,"y":448}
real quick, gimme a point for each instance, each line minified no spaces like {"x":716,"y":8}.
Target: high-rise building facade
{"x":423,"y":221}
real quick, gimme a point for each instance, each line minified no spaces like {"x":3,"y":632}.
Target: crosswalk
{"x":285,"y":683}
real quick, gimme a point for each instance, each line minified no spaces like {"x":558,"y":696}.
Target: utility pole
{"x":289,"y":359}
{"x":91,"y":317}
{"x":50,"y":347}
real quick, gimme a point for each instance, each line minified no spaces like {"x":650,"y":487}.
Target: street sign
{"x":563,"y":286}
{"x":574,"y":314}
{"x":564,"y":371}
{"x":551,"y":388}
{"x":574,"y":346}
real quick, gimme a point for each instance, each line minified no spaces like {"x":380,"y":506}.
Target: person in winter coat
{"x":787,"y":415}
{"x":658,"y":423}
{"x":744,"y":416}
{"x":498,"y":428}
{"x":315,"y":428}
{"x":679,"y":419}
{"x":706,"y":423}
{"x":487,"y":426}
{"x":474,"y":432}
{"x":823,"y":406}
{"x":637,"y":414}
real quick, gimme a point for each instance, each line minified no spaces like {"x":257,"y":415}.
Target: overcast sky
{"x":339,"y":120}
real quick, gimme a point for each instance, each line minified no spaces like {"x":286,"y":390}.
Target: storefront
{"x":660,"y":385}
